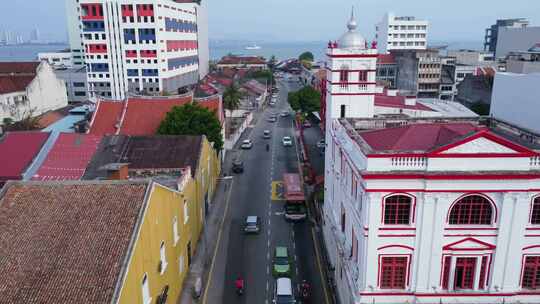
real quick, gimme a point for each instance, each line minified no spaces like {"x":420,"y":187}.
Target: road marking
{"x":318,"y":257}
{"x":297,"y":271}
{"x":268,"y":256}
{"x":210,"y":274}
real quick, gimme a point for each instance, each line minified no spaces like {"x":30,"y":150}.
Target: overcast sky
{"x":305,"y":20}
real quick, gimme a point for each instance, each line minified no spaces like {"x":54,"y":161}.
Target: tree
{"x":306,"y":56}
{"x":262,"y":74}
{"x":272,"y":62}
{"x":306,"y":100}
{"x":192,"y":119}
{"x":232,"y":97}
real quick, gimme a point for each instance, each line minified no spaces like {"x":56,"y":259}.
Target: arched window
{"x":535,"y":212}
{"x":471,"y":210}
{"x":397,"y":210}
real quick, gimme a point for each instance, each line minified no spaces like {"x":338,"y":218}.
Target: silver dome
{"x":352,"y":39}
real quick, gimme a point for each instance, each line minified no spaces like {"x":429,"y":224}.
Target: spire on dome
{"x":352,"y":22}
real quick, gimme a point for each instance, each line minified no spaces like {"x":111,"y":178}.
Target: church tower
{"x":351,"y":70}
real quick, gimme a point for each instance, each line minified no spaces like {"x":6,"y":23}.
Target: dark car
{"x":237,"y":166}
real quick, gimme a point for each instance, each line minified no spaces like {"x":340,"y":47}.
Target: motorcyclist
{"x":239,"y":283}
{"x":305,"y":289}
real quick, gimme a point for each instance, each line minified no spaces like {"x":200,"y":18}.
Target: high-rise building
{"x":34,"y":35}
{"x":401,"y":33}
{"x":492,"y":33}
{"x":137,"y":46}
{"x":74,"y":32}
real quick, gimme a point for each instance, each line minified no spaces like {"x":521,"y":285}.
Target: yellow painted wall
{"x":157,"y":226}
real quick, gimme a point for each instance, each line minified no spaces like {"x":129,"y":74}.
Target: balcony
{"x":93,"y":26}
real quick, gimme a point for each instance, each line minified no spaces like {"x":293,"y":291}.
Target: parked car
{"x":307,"y":124}
{"x":283,"y":293}
{"x":237,"y":166}
{"x":321,"y":144}
{"x":282,"y":262}
{"x":287,"y":141}
{"x":272,"y":119}
{"x":246,"y":144}
{"x":284,"y":114}
{"x":266,"y":134}
{"x":252,"y":224}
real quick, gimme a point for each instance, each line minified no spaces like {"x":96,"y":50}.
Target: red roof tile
{"x":213,"y":103}
{"x":66,"y":242}
{"x":386,"y":59}
{"x":417,"y":137}
{"x":143,"y":116}
{"x":398,"y":102}
{"x":10,"y":84}
{"x":106,"y":117}
{"x":17,"y":151}
{"x":49,"y":118}
{"x":69,"y":157}
{"x":242,"y":60}
{"x":19,"y":67}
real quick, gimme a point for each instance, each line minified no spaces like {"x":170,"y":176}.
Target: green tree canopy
{"x":192,"y":119}
{"x":263,"y":75}
{"x":480,"y":108}
{"x":232,"y":97}
{"x":306,"y":100}
{"x":306,"y":56}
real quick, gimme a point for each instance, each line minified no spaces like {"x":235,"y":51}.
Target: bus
{"x":295,"y":201}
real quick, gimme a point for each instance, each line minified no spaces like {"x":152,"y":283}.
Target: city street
{"x":250,"y":256}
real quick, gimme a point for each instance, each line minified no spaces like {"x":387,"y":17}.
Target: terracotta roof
{"x":69,"y":157}
{"x":146,"y":152}
{"x":10,"y":84}
{"x":139,"y":116}
{"x":19,"y":67}
{"x":386,"y":59}
{"x":242,"y":60}
{"x":58,"y":241}
{"x":417,"y":137}
{"x":398,"y":102}
{"x":213,"y":103}
{"x":17,"y":151}
{"x":49,"y":118}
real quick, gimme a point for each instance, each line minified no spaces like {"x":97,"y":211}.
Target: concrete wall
{"x":516,"y":99}
{"x":46,"y":92}
{"x":516,"y":40}
{"x":522,"y":67}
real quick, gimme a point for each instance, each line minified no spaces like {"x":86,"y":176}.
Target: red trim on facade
{"x":454,"y":176}
{"x":396,"y":235}
{"x":337,"y":71}
{"x":531,"y":228}
{"x":396,"y":228}
{"x":532,"y":235}
{"x":413,"y":209}
{"x":470,"y":235}
{"x":531,"y":247}
{"x":522,"y":151}
{"x":351,"y":94}
{"x":396,"y":245}
{"x":100,"y":48}
{"x":451,"y":191}
{"x":448,"y":295}
{"x":488,"y":246}
{"x":496,"y":215}
{"x":473,"y":228}
{"x":409,"y":260}
{"x":352,"y":83}
{"x":92,"y":11}
{"x":352,"y":55}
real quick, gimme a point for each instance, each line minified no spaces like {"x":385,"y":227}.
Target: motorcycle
{"x":305,"y":291}
{"x":239,"y":286}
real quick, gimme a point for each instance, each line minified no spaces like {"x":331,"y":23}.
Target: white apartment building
{"x":139,"y":46}
{"x":74,"y":32}
{"x":401,"y":33}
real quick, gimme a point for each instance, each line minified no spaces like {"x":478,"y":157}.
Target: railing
{"x":535,"y":162}
{"x":413,"y":163}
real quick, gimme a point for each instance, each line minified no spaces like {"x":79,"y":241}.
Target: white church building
{"x":429,"y":209}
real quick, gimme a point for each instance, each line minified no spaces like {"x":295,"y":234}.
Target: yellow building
{"x":108,"y":241}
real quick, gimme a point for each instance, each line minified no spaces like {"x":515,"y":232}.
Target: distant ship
{"x":254,"y":46}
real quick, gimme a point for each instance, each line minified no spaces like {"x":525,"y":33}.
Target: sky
{"x":300,"y":20}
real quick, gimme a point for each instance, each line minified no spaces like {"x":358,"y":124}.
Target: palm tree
{"x":232,"y":97}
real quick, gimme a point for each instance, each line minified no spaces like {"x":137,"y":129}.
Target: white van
{"x":284,"y":292}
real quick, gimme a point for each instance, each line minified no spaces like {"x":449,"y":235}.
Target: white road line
{"x":267,"y":271}
{"x":295,"y":258}
{"x":268,"y":256}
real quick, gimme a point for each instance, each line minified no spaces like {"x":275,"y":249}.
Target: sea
{"x":218,"y":49}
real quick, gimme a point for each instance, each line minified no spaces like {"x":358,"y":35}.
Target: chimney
{"x":410,"y":100}
{"x":116,"y":171}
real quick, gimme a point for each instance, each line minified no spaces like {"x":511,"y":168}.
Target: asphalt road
{"x":250,"y":256}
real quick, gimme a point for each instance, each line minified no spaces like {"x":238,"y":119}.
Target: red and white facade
{"x":431,"y":211}
{"x":137,"y":46}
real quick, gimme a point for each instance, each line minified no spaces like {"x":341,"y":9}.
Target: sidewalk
{"x":205,"y":248}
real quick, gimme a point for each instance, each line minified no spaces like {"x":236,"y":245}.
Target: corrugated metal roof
{"x":17,"y":151}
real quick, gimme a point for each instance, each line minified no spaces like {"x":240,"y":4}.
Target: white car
{"x":246,"y":144}
{"x":283,"y":293}
{"x":287,"y":141}
{"x":284,"y":114}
